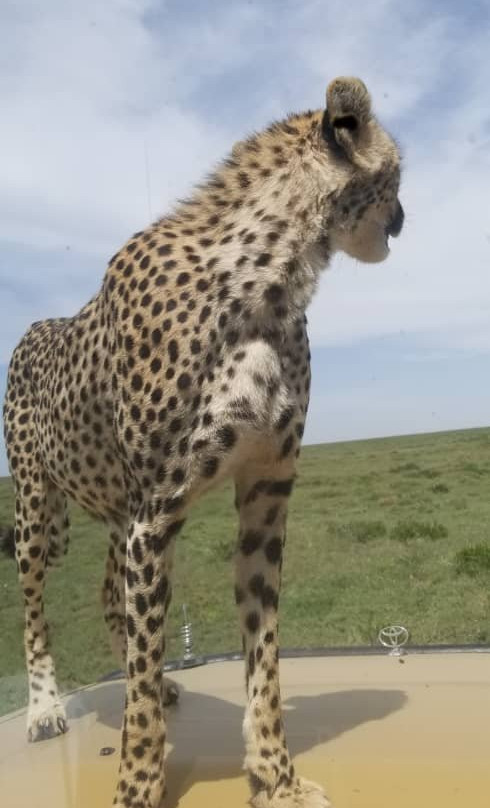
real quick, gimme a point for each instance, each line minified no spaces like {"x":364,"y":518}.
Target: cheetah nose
{"x":394,"y":228}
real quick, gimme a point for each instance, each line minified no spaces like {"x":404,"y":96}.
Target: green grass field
{"x":380,"y":531}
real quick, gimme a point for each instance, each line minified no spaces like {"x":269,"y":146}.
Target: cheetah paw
{"x":170,"y":692}
{"x":311,"y":795}
{"x":47,"y":723}
{"x":303,"y":794}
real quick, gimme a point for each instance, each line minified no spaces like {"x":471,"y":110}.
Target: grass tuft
{"x":473,"y":560}
{"x":405,"y":467}
{"x":413,"y":529}
{"x":440,"y":488}
{"x":361,"y":530}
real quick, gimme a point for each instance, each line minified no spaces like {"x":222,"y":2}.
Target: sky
{"x":111,"y":111}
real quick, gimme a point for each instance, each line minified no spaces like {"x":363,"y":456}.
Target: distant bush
{"x":473,"y":560}
{"x":405,"y":467}
{"x":440,"y":488}
{"x":474,"y":468}
{"x":414,"y":470}
{"x":361,"y":530}
{"x":412,"y":529}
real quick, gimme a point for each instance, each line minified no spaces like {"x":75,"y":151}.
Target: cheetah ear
{"x":348,"y":110}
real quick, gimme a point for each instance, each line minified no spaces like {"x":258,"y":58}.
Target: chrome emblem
{"x":394,"y":637}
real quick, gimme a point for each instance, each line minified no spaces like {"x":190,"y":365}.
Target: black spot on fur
{"x":252,"y":622}
{"x":274,"y":293}
{"x":281,"y":488}
{"x":251,"y":542}
{"x":263,"y":260}
{"x":273,"y":550}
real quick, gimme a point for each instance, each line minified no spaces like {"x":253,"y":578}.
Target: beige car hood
{"x":377,"y":732}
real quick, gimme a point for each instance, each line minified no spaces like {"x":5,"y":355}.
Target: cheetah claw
{"x":47,"y":725}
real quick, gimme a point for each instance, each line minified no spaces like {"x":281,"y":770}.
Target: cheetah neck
{"x":256,"y":229}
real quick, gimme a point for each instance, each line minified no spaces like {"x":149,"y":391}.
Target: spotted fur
{"x":191,"y":365}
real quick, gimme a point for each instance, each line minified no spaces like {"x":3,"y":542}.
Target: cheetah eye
{"x":349,"y":122}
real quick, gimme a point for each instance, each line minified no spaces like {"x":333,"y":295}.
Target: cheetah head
{"x":363,"y":162}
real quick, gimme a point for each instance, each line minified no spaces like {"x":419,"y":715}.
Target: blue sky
{"x":112,"y":110}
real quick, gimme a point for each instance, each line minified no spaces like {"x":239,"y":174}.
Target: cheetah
{"x":192,"y":365}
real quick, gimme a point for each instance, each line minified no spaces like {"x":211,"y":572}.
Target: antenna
{"x":147,"y":175}
{"x":189,"y":660}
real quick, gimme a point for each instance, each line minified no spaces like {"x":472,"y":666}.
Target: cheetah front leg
{"x":114,"y":605}
{"x":262,"y":504}
{"x":39,"y":510}
{"x":149,"y":556}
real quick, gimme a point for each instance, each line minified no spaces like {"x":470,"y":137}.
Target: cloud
{"x":110,"y":111}
{"x":82,"y":119}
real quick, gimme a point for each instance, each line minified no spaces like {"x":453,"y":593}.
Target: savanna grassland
{"x":380,"y":531}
